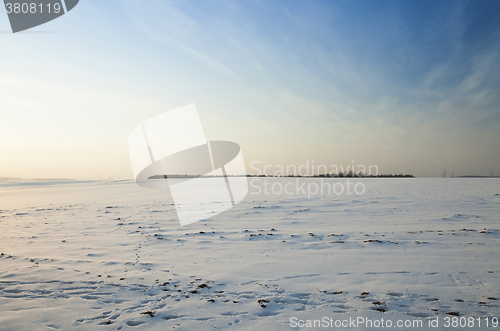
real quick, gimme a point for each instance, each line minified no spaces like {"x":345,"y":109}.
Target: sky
{"x":409,"y":86}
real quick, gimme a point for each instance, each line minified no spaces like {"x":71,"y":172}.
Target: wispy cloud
{"x":169,"y":25}
{"x":406,"y":85}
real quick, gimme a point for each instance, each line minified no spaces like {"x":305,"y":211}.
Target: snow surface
{"x":112,"y":255}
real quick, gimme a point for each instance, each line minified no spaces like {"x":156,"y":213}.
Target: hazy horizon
{"x":411,"y":87}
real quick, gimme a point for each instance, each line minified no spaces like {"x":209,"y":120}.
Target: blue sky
{"x":411,"y":86}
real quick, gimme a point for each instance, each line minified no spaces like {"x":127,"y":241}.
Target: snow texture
{"x":112,"y":256}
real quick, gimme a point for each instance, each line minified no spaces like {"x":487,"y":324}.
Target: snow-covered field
{"x":112,"y":255}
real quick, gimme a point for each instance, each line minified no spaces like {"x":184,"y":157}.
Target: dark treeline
{"x":348,"y":175}
{"x":342,"y":175}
